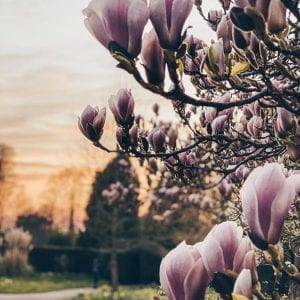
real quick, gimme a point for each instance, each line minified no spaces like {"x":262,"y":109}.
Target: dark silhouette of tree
{"x":113,"y":225}
{"x":38,"y":226}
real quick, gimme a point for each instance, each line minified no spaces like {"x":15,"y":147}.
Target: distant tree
{"x":112,"y":224}
{"x":38,"y":226}
{"x":63,"y":199}
{"x":171,"y":217}
{"x":14,"y":261}
{"x":6,"y":186}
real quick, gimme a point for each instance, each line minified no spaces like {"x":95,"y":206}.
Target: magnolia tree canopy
{"x":242,"y":114}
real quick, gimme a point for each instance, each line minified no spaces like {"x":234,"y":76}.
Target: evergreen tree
{"x":112,"y":224}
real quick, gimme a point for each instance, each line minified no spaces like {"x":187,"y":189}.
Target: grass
{"x":132,"y":293}
{"x":52,"y":282}
{"x":125,"y":293}
{"x":43,"y":283}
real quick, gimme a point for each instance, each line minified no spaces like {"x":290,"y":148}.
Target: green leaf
{"x":239,"y":297}
{"x":240,"y":67}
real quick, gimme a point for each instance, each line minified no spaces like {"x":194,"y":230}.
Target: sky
{"x":50,"y":69}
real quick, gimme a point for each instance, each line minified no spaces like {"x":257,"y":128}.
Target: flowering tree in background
{"x":241,"y":118}
{"x":112,"y":224}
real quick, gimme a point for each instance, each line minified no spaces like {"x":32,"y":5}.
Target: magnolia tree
{"x":241,"y":118}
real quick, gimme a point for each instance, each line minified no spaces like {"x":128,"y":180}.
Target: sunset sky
{"x":51,"y":68}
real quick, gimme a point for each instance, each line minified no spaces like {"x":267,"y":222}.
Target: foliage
{"x":125,"y":293}
{"x":110,"y":210}
{"x":113,"y":224}
{"x":16,"y":246}
{"x":142,"y":263}
{"x":43,"y":282}
{"x":38,"y":226}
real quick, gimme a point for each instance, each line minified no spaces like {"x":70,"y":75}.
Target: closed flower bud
{"x":225,"y":3}
{"x":254,"y":126}
{"x":277,"y":17}
{"x":266,"y":197}
{"x":91,"y":122}
{"x":134,"y":134}
{"x":224,"y":31}
{"x":214,"y":18}
{"x":122,"y":106}
{"x":152,"y":58}
{"x":172,"y":135}
{"x":157,"y":139}
{"x":284,"y":122}
{"x":168,"y":18}
{"x":293,"y":149}
{"x":122,"y":138}
{"x":218,"y":124}
{"x":117,"y":21}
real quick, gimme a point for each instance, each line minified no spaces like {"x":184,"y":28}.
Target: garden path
{"x":55,"y":295}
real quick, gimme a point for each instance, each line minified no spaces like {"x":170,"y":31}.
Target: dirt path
{"x":56,"y":295}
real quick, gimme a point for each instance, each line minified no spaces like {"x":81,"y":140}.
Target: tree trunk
{"x":114,"y":273}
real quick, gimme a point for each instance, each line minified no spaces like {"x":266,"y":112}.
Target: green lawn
{"x":125,"y":293}
{"x":50,"y":282}
{"x":133,"y":293}
{"x":43,"y":283}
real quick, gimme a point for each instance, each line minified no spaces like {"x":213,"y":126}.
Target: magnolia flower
{"x":122,"y":138}
{"x":218,"y":124}
{"x":225,"y":188}
{"x":243,"y":284}
{"x":168,"y":18}
{"x":254,"y":126}
{"x":266,"y":197}
{"x":224,"y":31}
{"x":119,"y":21}
{"x":153,"y":59}
{"x":225,"y":249}
{"x":91,"y":122}
{"x":182,"y":273}
{"x":277,"y":16}
{"x":157,"y":139}
{"x":122,"y":106}
{"x":225,"y":3}
{"x":284,"y":122}
{"x":214,"y":18}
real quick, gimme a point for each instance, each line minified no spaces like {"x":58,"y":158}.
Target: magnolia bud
{"x":91,"y":122}
{"x":157,"y":139}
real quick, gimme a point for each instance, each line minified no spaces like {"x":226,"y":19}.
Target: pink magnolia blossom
{"x":243,"y":284}
{"x":122,"y":106}
{"x":157,"y":139}
{"x":120,"y":21}
{"x":225,"y":249}
{"x":153,"y":59}
{"x":284,"y":122}
{"x":218,"y":124}
{"x":224,"y":31}
{"x":168,"y":18}
{"x":182,"y":273}
{"x":266,"y":197}
{"x":254,"y":126}
{"x":276,"y":16}
{"x":91,"y":122}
